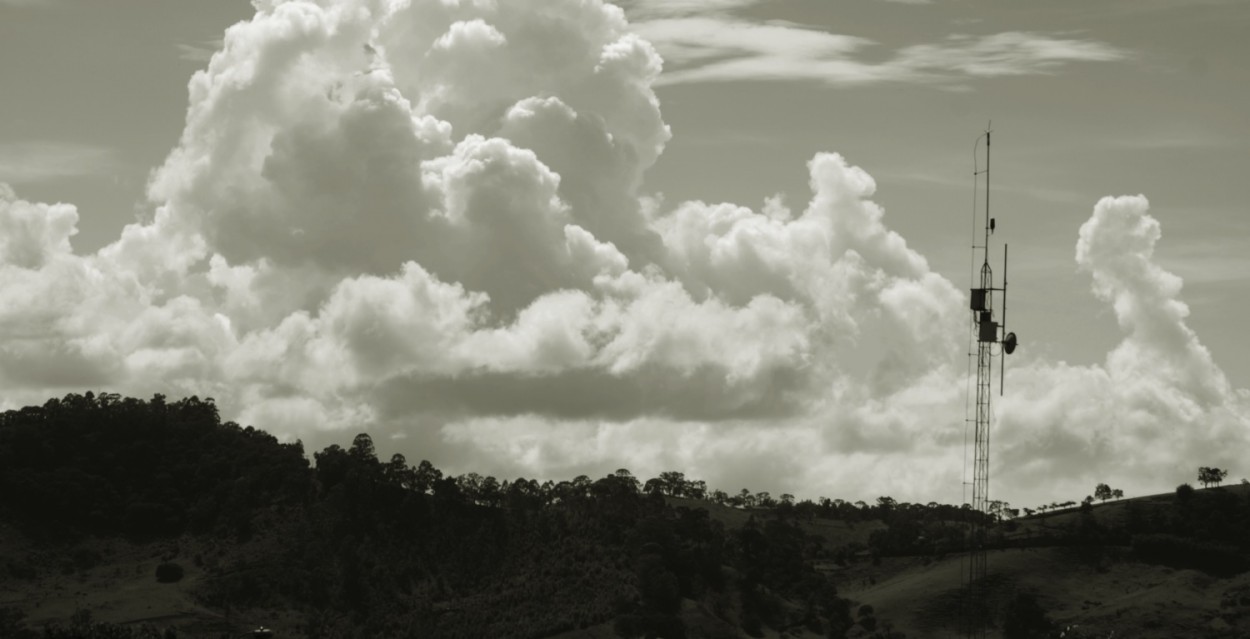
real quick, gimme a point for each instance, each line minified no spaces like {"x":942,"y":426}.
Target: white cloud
{"x":1156,"y":409}
{"x":439,"y":237}
{"x":716,"y":47}
{"x":33,"y":234}
{"x":640,"y":10}
{"x":1000,"y":54}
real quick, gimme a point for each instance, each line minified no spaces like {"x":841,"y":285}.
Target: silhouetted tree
{"x":1210,"y":475}
{"x":1102,"y":492}
{"x":696,"y":489}
{"x":362,"y":448}
{"x":628,"y":477}
{"x":426,"y":476}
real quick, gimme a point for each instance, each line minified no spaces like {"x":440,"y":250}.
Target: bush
{"x":1024,"y":618}
{"x":1184,"y":494}
{"x":168,"y":573}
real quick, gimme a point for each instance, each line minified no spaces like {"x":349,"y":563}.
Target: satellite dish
{"x":1009,"y":343}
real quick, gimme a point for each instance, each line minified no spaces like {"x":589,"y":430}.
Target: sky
{"x":545,"y":238}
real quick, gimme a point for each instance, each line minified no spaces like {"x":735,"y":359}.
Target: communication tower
{"x":990,"y":339}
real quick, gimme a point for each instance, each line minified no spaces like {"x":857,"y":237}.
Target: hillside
{"x":98,"y":492}
{"x":101,"y":495}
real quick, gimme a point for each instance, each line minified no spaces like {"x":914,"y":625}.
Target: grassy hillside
{"x":129,"y":518}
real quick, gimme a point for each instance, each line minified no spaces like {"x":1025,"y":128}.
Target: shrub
{"x":1184,"y":493}
{"x":168,"y":572}
{"x":1024,"y":618}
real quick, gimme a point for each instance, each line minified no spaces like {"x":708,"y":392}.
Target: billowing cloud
{"x":425,"y":219}
{"x":1157,"y":407}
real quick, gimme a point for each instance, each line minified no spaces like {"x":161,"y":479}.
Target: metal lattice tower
{"x":976,"y":569}
{"x":988,"y":332}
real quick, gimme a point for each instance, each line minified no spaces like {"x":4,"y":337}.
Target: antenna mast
{"x":987,"y":332}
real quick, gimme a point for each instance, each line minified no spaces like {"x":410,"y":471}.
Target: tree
{"x":1117,"y":494}
{"x":624,"y":475}
{"x":1102,"y":492}
{"x":696,"y":489}
{"x":746,"y":499}
{"x":362,"y":448}
{"x":398,"y":472}
{"x":1211,"y":475}
{"x":470,"y":485}
{"x":490,"y":492}
{"x":426,"y":476}
{"x":673,"y":483}
{"x":654,"y":486}
{"x":998,"y":509}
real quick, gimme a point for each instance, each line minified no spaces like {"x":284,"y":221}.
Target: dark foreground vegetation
{"x":369,"y":548}
{"x":355,"y":546}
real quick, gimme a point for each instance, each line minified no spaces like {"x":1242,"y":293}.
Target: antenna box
{"x":978,"y":299}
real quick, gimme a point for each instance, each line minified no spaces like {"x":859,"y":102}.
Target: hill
{"x":100,"y":491}
{"x":132,"y":518}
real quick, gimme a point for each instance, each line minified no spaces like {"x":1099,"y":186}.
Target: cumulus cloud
{"x":424,"y":219}
{"x":1157,"y":404}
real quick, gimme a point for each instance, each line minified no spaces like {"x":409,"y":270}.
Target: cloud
{"x":33,"y":234}
{"x":1000,"y":54}
{"x":640,"y":10}
{"x":1156,"y":408}
{"x":424,"y":220}
{"x":715,"y":46}
{"x":31,"y":162}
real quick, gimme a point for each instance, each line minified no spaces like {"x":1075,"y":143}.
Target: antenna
{"x":987,"y":332}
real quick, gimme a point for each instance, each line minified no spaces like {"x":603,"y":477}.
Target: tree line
{"x":366,"y":547}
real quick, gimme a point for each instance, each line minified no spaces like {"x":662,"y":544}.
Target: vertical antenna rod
{"x":985,"y":248}
{"x":1002,"y":366}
